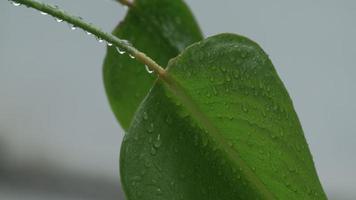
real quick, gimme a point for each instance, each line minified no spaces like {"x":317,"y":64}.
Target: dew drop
{"x":228,"y":79}
{"x":120,"y":51}
{"x":58,"y":20}
{"x":44,"y":13}
{"x":147,"y":164}
{"x":131,"y":56}
{"x":169,"y":119}
{"x":109,"y":44}
{"x":73,"y":27}
{"x":15,"y":3}
{"x":215,"y":91}
{"x":100,"y":40}
{"x":282,"y":133}
{"x":244,"y":108}
{"x":150,"y":128}
{"x":158,"y":142}
{"x":153,"y":151}
{"x":148,"y":69}
{"x":230,"y":144}
{"x":145,"y":116}
{"x":88,"y":33}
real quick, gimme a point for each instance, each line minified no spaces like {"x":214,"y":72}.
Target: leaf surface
{"x":161,"y":29}
{"x":220,"y":125}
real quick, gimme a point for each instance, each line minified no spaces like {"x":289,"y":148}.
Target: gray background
{"x":59,"y":139}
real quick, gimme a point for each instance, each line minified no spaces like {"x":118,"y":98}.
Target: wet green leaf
{"x":161,"y":29}
{"x":221,"y":126}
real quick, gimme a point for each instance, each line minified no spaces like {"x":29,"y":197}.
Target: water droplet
{"x":147,"y":164}
{"x":282,"y":133}
{"x":244,"y":108}
{"x":223,"y":69}
{"x":150,"y":128}
{"x":120,"y":51}
{"x":169,"y":119}
{"x":100,"y":40}
{"x":15,"y":3}
{"x":58,"y":20}
{"x":145,"y":116}
{"x":158,"y":142}
{"x":148,"y":69}
{"x":88,"y":33}
{"x":215,"y":91}
{"x":109,"y":44}
{"x":205,"y":140}
{"x":153,"y":151}
{"x":230,"y":144}
{"x":228,"y":79}
{"x":44,"y":13}
{"x":73,"y":27}
{"x":131,"y":56}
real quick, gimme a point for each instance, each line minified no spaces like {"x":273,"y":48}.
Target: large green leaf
{"x":219,"y":126}
{"x":161,"y":29}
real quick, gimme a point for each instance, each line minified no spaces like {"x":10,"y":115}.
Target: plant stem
{"x":78,"y":22}
{"x":126,"y":3}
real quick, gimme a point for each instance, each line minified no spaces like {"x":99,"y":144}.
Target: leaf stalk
{"x":109,"y":38}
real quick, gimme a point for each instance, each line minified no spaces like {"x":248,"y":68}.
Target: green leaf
{"x":219,"y":126}
{"x":161,"y":29}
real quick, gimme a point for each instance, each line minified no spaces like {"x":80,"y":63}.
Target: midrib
{"x":202,"y":119}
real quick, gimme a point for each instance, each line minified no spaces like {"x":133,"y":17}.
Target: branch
{"x":109,"y":38}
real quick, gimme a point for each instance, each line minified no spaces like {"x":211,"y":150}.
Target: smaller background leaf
{"x":161,"y":29}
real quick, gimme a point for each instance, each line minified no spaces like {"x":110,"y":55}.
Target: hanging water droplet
{"x":131,"y":56}
{"x":120,"y":51}
{"x":58,"y":20}
{"x":148,"y":69}
{"x":88,"y":33}
{"x":44,"y":13}
{"x":15,"y":3}
{"x":100,"y":40}
{"x":109,"y":44}
{"x":73,"y":27}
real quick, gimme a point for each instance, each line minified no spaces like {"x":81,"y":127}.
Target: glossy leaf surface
{"x":220,"y":125}
{"x":161,"y":29}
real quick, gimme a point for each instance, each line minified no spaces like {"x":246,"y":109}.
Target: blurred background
{"x":59,"y":139}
